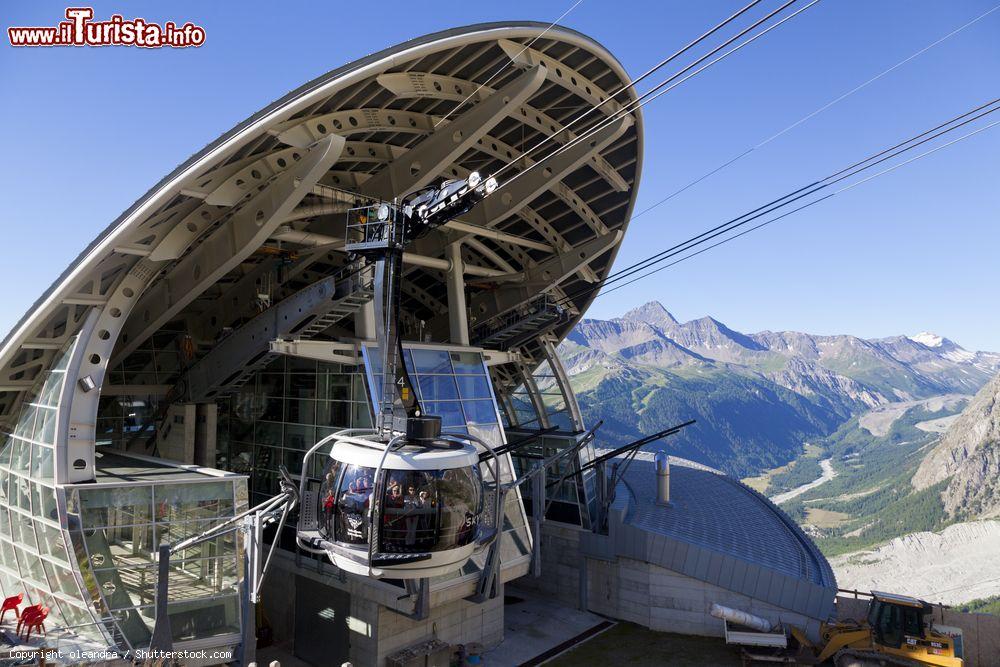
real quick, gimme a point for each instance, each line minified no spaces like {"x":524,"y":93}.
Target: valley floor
{"x":826,"y":465}
{"x":955,"y":565}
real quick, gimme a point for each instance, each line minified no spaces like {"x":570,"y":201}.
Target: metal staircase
{"x":303,"y":315}
{"x":512,"y":328}
{"x":247,"y":350}
{"x":342,"y":309}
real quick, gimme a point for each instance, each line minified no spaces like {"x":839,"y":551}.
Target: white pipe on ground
{"x":740,"y":617}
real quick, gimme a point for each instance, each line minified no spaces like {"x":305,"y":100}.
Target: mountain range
{"x":756,"y":397}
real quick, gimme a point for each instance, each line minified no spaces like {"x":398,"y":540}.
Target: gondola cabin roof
{"x":408,"y":458}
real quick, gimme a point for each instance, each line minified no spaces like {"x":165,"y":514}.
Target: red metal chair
{"x":36,"y":622}
{"x":26,"y":615}
{"x":12,"y":603}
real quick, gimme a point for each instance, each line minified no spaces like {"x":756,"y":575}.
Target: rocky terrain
{"x":968,"y":456}
{"x":758,"y":396}
{"x":954,"y":565}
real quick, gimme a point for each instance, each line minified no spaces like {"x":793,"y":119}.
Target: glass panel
{"x":44,"y":502}
{"x":298,"y":436}
{"x":300,"y":411}
{"x":45,"y":426}
{"x":480,"y":412}
{"x":468,"y":362}
{"x":351,"y":521}
{"x":184,"y":502}
{"x":21,"y":459}
{"x":430,"y":510}
{"x":474,"y":386}
{"x":41,"y":462}
{"x":334,"y":386}
{"x":450,"y":412}
{"x":204,"y":618}
{"x":327,"y":498}
{"x":301,"y":386}
{"x":267,"y":433}
{"x":26,"y":422}
{"x":124,"y":506}
{"x":437,"y":387}
{"x":431,"y":361}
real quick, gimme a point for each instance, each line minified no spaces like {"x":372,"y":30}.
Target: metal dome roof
{"x":190,"y":252}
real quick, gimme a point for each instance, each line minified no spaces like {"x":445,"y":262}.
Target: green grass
{"x":803,"y":470}
{"x":630,"y":644}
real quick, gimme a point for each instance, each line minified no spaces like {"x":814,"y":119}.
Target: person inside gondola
{"x":329,"y":502}
{"x":425,"y":510}
{"x":392,"y":514}
{"x":410,"y":517}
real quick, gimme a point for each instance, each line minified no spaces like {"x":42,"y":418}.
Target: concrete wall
{"x":458,"y":622}
{"x":176,"y":440}
{"x":667,"y":601}
{"x":560,"y":578}
{"x":980,"y":632}
{"x":633,"y":590}
{"x":376,"y":631}
{"x":206,"y":433}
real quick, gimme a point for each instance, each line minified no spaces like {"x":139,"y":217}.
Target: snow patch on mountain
{"x":929,"y":339}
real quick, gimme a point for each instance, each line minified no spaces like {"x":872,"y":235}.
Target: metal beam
{"x":310,"y":239}
{"x":562,"y":74}
{"x":497,"y":235}
{"x":137,"y":250}
{"x":320,"y":350}
{"x":458,"y":320}
{"x":425,"y":161}
{"x":545,"y":276}
{"x":232,"y":243}
{"x":302,"y":132}
{"x":562,"y":380}
{"x":511,"y":197}
{"x":536,"y":221}
{"x":84,"y":300}
{"x":437,"y":86}
{"x":16,"y":385}
{"x":42,"y":344}
{"x":136,"y":389}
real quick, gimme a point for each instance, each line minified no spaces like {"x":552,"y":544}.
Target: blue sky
{"x":87,"y":131}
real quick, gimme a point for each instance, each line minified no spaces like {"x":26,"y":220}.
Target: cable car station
{"x":306,"y":389}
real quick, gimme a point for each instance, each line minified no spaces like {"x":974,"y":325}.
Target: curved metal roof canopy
{"x":258,"y":209}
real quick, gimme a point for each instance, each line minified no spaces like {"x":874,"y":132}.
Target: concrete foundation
{"x":374,"y":630}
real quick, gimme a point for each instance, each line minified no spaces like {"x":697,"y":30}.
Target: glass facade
{"x":34,"y":558}
{"x":116,"y":532}
{"x":571,"y":496}
{"x":282,"y":412}
{"x":452,"y":384}
{"x":125,"y":420}
{"x":88,"y":551}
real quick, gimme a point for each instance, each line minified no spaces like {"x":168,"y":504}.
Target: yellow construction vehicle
{"x":896,"y":631}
